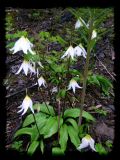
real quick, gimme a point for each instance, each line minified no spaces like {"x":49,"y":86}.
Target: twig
{"x":106,"y":69}
{"x":22,"y":90}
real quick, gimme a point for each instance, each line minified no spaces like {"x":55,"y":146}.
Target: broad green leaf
{"x":23,"y":131}
{"x":44,"y":109}
{"x":75,"y":112}
{"x":42,"y":146}
{"x":63,"y":137}
{"x":73,"y":123}
{"x":72,"y":112}
{"x":73,"y":136}
{"x":33,"y":146}
{"x":100,"y":149}
{"x":57,"y":151}
{"x":29,"y":119}
{"x":51,"y":127}
{"x":88,"y":116}
{"x":35,"y":134}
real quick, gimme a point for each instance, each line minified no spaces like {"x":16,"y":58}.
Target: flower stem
{"x":44,"y":101}
{"x":85,"y":73}
{"x":36,"y":123}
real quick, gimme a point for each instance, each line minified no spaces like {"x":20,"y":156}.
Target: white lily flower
{"x":80,"y":51}
{"x":94,"y":34}
{"x":73,"y":84}
{"x":25,"y":66}
{"x":41,"y":81}
{"x":27,"y":103}
{"x":69,"y":53}
{"x":79,"y":24}
{"x":87,"y":141}
{"x":23,"y":44}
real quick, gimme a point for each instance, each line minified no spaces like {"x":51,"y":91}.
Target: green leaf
{"x":73,"y":123}
{"x":51,"y":127}
{"x":63,"y":137}
{"x":44,"y":109}
{"x":88,"y":116}
{"x":23,"y":131}
{"x":61,"y":93}
{"x":73,"y":136}
{"x":42,"y":146}
{"x":75,"y":112}
{"x":29,"y":119}
{"x":72,"y":112}
{"x":33,"y":146}
{"x":100,"y":149}
{"x":57,"y":151}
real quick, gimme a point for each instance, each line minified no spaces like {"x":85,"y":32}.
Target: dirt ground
{"x":103,"y":129}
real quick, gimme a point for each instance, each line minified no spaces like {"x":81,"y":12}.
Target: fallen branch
{"x":106,"y":69}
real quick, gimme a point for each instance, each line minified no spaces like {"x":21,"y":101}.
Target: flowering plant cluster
{"x":57,"y":71}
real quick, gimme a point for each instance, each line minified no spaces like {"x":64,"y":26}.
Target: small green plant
{"x":62,"y":113}
{"x":47,"y":123}
{"x":101,"y":149}
{"x":100,"y":81}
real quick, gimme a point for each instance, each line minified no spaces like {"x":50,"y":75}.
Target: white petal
{"x":84,"y":144}
{"x":25,"y":68}
{"x":91,"y":142}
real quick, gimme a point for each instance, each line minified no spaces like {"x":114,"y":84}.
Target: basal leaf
{"x":72,"y":112}
{"x":57,"y":151}
{"x":88,"y":116}
{"x":33,"y":146}
{"x":73,"y":123}
{"x":23,"y":131}
{"x":73,"y":136}
{"x":63,"y":137}
{"x":42,"y":146}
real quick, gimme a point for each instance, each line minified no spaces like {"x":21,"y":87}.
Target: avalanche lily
{"x":41,"y":81}
{"x":25,"y":66}
{"x":27,"y":103}
{"x":80,"y":51}
{"x":87,"y":141}
{"x":94,"y":34}
{"x":73,"y":84}
{"x":69,"y":53}
{"x":22,"y":44}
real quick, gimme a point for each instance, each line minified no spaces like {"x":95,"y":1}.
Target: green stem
{"x":44,"y":101}
{"x":36,"y":123}
{"x":85,"y":73}
{"x":58,"y":119}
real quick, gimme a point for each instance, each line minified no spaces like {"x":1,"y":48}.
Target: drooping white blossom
{"x":80,"y":51}
{"x":94,"y":34}
{"x":86,"y":142}
{"x":27,"y":103}
{"x":79,"y":24}
{"x":23,"y":44}
{"x":41,"y":81}
{"x":69,"y":53}
{"x":26,"y":66}
{"x":73,"y":85}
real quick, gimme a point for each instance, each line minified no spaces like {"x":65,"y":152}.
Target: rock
{"x":102,"y":130}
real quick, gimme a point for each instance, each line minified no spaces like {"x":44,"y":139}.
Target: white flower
{"x":73,"y":84}
{"x":27,"y":103}
{"x":80,"y":51}
{"x":22,"y":44}
{"x":94,"y":34}
{"x":25,"y":66}
{"x":79,"y":24}
{"x":87,"y":141}
{"x":69,"y":53}
{"x":41,"y":81}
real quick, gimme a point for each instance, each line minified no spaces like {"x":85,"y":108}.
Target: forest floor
{"x":103,"y":129}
